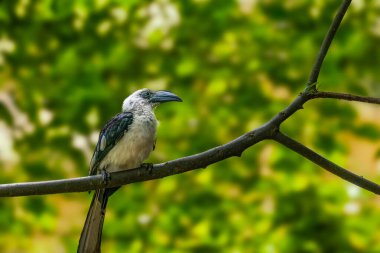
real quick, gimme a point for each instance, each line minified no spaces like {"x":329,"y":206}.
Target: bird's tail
{"x":91,"y":236}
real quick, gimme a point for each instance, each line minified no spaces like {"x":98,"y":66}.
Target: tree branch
{"x":236,"y":147}
{"x":343,"y":96}
{"x":327,"y":42}
{"x":181,"y":165}
{"x":326,"y":164}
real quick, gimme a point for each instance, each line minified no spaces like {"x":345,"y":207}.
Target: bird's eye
{"x":146,"y":94}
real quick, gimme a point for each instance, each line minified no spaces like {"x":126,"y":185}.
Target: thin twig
{"x":327,"y":42}
{"x":344,"y":96}
{"x":326,"y":164}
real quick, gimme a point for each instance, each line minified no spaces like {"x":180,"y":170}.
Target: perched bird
{"x":124,"y":143}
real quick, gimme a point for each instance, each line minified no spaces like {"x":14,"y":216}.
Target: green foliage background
{"x":66,"y":67}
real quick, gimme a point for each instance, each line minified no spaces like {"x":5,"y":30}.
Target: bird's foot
{"x":148,"y":167}
{"x":106,"y":177}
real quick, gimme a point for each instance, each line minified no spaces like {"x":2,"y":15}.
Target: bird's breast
{"x":134,"y":147}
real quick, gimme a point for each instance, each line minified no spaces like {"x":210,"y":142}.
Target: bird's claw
{"x":106,"y":177}
{"x":148,"y":167}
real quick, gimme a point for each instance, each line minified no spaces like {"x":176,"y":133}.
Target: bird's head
{"x":145,"y":97}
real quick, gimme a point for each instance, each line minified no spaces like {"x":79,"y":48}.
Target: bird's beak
{"x":163,"y":96}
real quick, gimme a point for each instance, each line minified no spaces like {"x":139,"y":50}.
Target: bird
{"x":124,"y":143}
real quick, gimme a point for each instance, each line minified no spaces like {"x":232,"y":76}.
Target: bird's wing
{"x":111,"y":133}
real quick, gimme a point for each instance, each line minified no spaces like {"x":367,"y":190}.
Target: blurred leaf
{"x":66,"y":66}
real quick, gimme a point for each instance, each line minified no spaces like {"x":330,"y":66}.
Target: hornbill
{"x":124,"y":143}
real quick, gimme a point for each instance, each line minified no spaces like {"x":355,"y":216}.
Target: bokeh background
{"x":66,"y":66}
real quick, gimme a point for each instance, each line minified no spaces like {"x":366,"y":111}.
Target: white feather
{"x":103,"y":143}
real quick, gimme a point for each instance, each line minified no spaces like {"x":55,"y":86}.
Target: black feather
{"x":113,"y":131}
